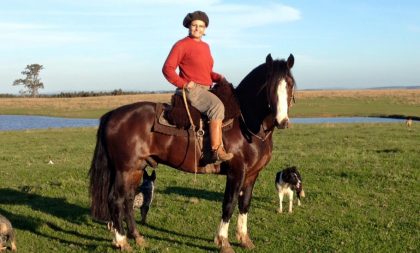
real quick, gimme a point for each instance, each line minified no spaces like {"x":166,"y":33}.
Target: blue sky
{"x":94,"y":45}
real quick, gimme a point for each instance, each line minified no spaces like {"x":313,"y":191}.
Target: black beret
{"x":196,"y":15}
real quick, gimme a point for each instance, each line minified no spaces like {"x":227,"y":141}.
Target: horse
{"x":126,"y":144}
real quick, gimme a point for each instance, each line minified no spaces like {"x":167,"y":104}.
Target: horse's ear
{"x":290,"y":61}
{"x":153,"y":176}
{"x":269,"y":60}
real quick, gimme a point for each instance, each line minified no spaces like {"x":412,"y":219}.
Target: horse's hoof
{"x":224,"y":244}
{"x":221,"y":241}
{"x":226,"y":250}
{"x":140,"y":241}
{"x":127,"y":248}
{"x":123,"y":246}
{"x":279,"y":210}
{"x":245,"y":241}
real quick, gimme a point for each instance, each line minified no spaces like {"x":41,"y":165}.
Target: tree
{"x":32,"y":83}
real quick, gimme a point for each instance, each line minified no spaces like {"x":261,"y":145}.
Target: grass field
{"x":361,"y":183}
{"x":309,"y":104}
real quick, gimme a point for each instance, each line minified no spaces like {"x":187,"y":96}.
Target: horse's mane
{"x":256,"y":81}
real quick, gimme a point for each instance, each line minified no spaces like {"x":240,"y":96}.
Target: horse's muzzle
{"x":283,"y":124}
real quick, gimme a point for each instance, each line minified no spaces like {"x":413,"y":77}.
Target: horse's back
{"x":127,"y":123}
{"x":130,"y":116}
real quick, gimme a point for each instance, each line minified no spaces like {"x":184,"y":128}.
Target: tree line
{"x":32,"y":83}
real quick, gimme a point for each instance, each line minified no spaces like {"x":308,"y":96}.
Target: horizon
{"x":107,"y":45}
{"x":414,"y":87}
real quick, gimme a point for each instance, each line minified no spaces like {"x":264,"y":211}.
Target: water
{"x":344,"y":120}
{"x":20,"y":122}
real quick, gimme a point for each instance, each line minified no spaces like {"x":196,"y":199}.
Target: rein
{"x":263,"y":139}
{"x":184,"y":96}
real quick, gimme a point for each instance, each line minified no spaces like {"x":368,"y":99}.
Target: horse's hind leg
{"x":116,"y":201}
{"x":134,"y":180}
{"x":244,"y":202}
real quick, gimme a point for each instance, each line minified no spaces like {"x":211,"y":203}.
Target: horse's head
{"x":280,"y":86}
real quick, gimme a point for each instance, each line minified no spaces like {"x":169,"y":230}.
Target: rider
{"x":193,"y":58}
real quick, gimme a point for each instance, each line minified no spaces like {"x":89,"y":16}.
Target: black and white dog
{"x":144,"y":195}
{"x":288,"y":181}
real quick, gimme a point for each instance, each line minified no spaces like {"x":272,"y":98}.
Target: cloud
{"x":10,"y":26}
{"x":231,"y":24}
{"x":30,"y":35}
{"x":246,"y":16}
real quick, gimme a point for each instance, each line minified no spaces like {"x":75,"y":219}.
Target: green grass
{"x":361,"y":182}
{"x":351,"y":106}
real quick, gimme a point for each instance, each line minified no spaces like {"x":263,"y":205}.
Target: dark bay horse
{"x":126,"y":144}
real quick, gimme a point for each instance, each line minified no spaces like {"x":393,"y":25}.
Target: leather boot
{"x":218,"y":151}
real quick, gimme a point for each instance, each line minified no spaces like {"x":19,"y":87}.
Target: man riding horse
{"x":193,"y":58}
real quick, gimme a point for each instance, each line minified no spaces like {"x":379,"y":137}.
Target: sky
{"x":103,"y":45}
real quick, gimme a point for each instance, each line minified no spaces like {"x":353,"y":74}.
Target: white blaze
{"x":282,"y":101}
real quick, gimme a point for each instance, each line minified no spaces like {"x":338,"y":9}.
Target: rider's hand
{"x":190,"y":85}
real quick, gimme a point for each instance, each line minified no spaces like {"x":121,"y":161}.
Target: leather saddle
{"x":175,"y":116}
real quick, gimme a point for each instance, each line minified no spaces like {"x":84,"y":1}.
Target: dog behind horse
{"x":144,"y":195}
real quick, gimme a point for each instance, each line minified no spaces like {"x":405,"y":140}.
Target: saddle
{"x":177,"y":115}
{"x":172,"y":119}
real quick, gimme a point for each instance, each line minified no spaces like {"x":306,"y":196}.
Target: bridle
{"x":263,"y":139}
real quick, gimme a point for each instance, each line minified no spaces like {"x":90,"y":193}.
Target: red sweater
{"x":194,"y":61}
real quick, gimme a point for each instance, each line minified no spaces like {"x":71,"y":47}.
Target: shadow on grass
{"x":58,"y":207}
{"x":202,"y":194}
{"x":34,"y":225}
{"x":186,"y":239}
{"x":198,"y":193}
{"x":389,"y":151}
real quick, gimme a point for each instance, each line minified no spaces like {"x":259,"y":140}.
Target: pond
{"x":21,"y":122}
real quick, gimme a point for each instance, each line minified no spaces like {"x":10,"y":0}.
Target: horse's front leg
{"x":244,"y":203}
{"x":233,"y":185}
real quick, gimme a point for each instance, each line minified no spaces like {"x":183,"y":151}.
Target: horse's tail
{"x":100,"y":175}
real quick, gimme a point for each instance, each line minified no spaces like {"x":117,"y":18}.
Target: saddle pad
{"x":161,"y":125}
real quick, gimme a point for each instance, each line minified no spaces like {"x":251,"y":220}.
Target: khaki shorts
{"x":206,"y":102}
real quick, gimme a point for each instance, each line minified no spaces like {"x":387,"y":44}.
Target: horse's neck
{"x":256,"y":114}
{"x":251,"y":93}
